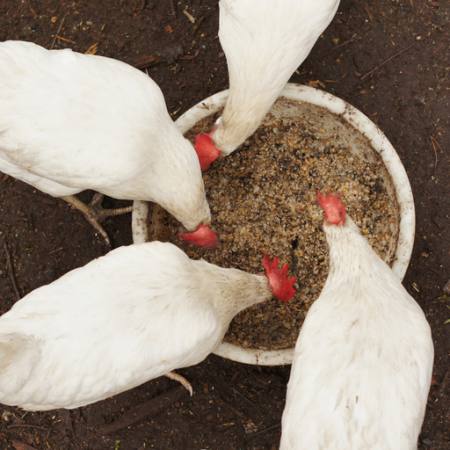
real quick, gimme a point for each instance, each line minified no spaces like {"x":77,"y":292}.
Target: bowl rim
{"x":379,"y":142}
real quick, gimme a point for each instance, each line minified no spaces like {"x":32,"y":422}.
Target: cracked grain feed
{"x":263,"y":201}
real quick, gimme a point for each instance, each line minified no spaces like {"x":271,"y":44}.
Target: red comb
{"x":281,"y":284}
{"x":207,"y":152}
{"x":203,"y":236}
{"x":334,"y":210}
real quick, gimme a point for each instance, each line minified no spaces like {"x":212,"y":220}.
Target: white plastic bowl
{"x":379,"y":143}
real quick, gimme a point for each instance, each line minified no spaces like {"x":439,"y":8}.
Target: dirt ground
{"x":389,"y":58}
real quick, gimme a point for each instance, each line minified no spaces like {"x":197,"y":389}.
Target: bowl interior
{"x":297,"y":100}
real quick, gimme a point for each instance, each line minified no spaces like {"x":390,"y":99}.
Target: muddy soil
{"x":388,"y":58}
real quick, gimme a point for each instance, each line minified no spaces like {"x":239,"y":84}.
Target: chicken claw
{"x":95,"y":213}
{"x":185,"y":383}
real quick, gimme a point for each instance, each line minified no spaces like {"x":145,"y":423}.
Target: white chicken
{"x":133,"y":315}
{"x":71,"y":122}
{"x":363,"y":360}
{"x":264,"y":43}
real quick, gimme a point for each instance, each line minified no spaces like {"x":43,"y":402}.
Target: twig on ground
{"x":32,"y":10}
{"x":263,"y":431}
{"x":435,"y":145}
{"x":11,"y":272}
{"x":19,"y":445}
{"x":92,"y":49}
{"x":189,"y":16}
{"x":147,"y":409}
{"x":379,"y":66}
{"x":190,"y":57}
{"x":196,"y":27}
{"x":26,"y":425}
{"x":146,"y":61}
{"x":225,"y":392}
{"x":242,"y":396}
{"x":64,"y":39}
{"x":354,"y":38}
{"x":444,"y":383}
{"x":58,"y":31}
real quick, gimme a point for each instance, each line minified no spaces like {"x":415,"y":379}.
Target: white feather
{"x":264,"y":42}
{"x":363,"y":360}
{"x":123,"y":319}
{"x":70,"y":122}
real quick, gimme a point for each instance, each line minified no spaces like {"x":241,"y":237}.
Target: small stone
{"x":250,"y":426}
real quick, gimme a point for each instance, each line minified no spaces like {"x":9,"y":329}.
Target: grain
{"x":263,"y":200}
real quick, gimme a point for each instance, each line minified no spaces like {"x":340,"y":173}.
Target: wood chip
{"x":92,"y":50}
{"x":190,"y":17}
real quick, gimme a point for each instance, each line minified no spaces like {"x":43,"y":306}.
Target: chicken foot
{"x":177,"y":377}
{"x":95,"y":213}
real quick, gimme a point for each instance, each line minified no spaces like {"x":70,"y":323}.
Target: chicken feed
{"x":263,"y":201}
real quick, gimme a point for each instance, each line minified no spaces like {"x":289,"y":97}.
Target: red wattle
{"x":203,"y":236}
{"x":207,"y":152}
